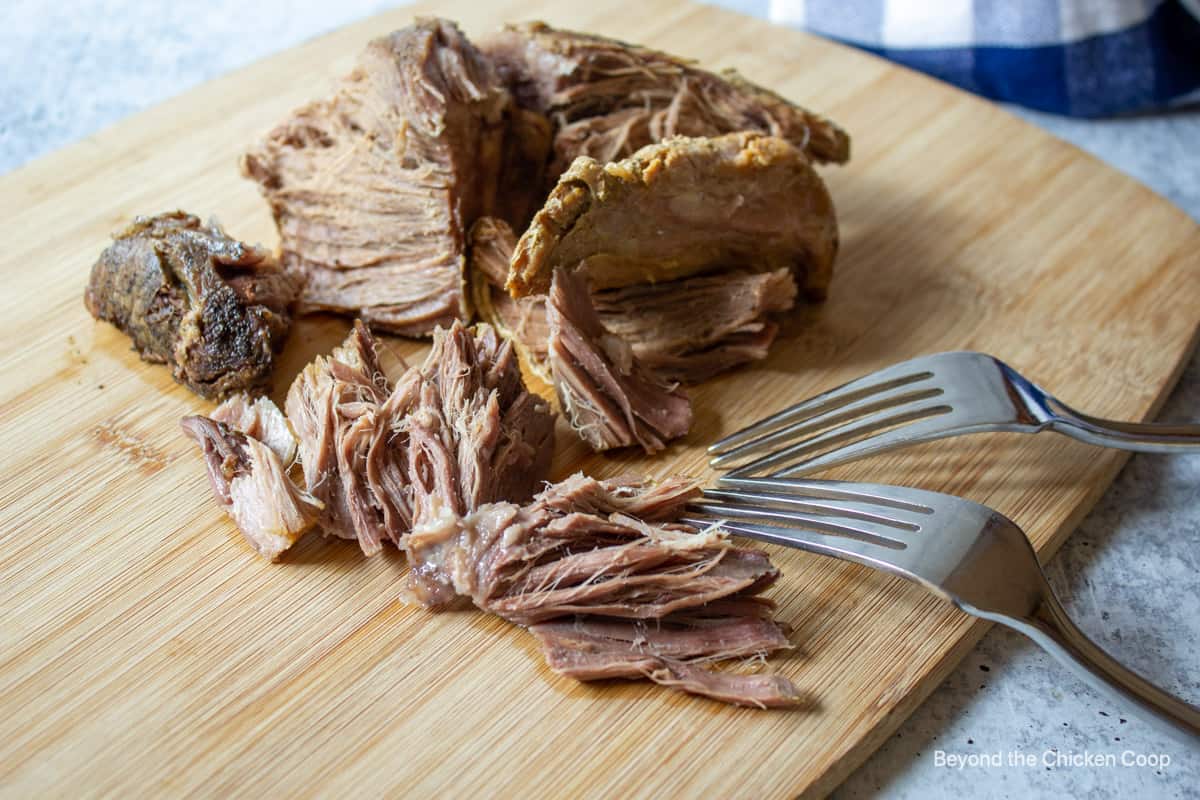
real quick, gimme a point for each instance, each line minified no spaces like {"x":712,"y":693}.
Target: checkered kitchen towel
{"x":1084,"y":58}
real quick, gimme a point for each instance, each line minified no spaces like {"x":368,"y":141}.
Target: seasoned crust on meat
{"x":683,"y":207}
{"x":188,"y":295}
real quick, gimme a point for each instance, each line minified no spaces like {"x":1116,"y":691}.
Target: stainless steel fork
{"x":927,"y":398}
{"x":961,"y":551}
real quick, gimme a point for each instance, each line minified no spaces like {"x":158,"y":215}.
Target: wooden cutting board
{"x":144,"y":650}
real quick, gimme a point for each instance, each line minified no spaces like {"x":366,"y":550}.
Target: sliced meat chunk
{"x":680,"y":208}
{"x":374,"y":188}
{"x":249,"y":479}
{"x":188,"y":295}
{"x":659,"y":320}
{"x":610,"y":399}
{"x":610,"y":98}
{"x":676,"y":343}
{"x":610,"y":584}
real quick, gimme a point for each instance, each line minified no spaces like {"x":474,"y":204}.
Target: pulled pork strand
{"x":247,"y":470}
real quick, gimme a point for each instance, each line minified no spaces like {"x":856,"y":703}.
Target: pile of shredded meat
{"x":439,"y":463}
{"x":461,"y":426}
{"x":188,"y":295}
{"x":610,"y":585}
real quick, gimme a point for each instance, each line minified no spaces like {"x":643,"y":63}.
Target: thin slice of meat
{"x":672,"y":340}
{"x":461,"y":427}
{"x":188,"y":295}
{"x":610,"y":584}
{"x":610,"y":399}
{"x":590,"y":650}
{"x":683,"y":207}
{"x":374,"y":188}
{"x":609,"y":98}
{"x":248,"y":477}
{"x":262,"y":420}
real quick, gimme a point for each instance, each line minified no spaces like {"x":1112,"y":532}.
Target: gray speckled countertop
{"x":1130,"y":575}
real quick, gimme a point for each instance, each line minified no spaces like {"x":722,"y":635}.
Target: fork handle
{"x":1051,"y":628}
{"x":1141,"y":437}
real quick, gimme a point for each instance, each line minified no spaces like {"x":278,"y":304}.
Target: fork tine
{"x":884,"y":535}
{"x":914,"y":500}
{"x":874,"y":426}
{"x":810,"y":425}
{"x":879,"y":556}
{"x":866,"y":512}
{"x":890,"y":378}
{"x":925,"y":430}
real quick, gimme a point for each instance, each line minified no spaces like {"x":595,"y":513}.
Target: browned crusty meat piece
{"x":610,"y":584}
{"x":609,"y":98}
{"x":213,"y":308}
{"x":249,"y":474}
{"x":659,"y":320}
{"x":462,"y":427}
{"x":683,"y":207}
{"x":374,"y":188}
{"x":605,"y":392}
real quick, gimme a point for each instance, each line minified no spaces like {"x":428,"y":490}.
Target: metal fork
{"x":961,"y":551}
{"x":927,"y":398}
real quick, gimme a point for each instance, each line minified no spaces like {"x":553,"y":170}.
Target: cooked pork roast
{"x":683,"y":207}
{"x":608,"y":98}
{"x":374,"y":188}
{"x":248,"y":449}
{"x":610,"y":584}
{"x":610,"y":399}
{"x":213,"y":308}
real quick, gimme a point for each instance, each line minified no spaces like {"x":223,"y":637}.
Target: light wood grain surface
{"x":145,"y":650}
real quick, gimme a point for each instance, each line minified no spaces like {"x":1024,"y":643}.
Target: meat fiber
{"x":610,"y":399}
{"x":610,"y":584}
{"x":523,"y":320}
{"x":461,"y":426}
{"x":374,"y":188}
{"x":188,"y":295}
{"x":608,"y":98}
{"x":658,"y":320}
{"x":683,"y":207}
{"x":247,"y":450}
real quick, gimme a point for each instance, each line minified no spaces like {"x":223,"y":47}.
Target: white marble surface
{"x":1130,"y":575}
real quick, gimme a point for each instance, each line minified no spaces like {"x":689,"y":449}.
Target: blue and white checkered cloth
{"x":1084,"y":58}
